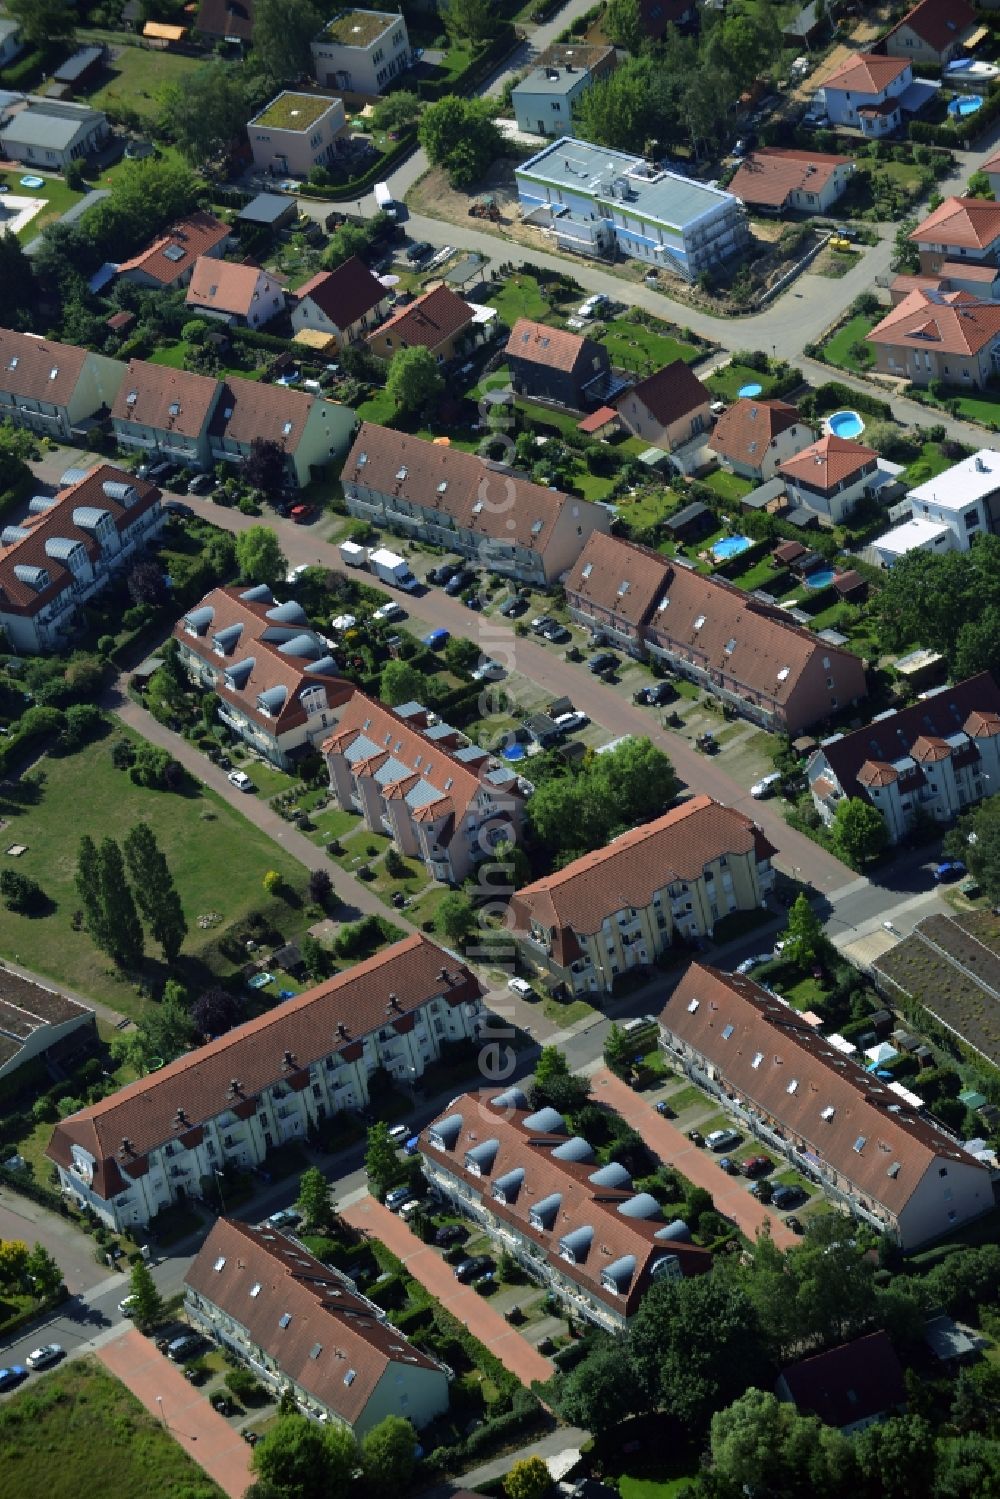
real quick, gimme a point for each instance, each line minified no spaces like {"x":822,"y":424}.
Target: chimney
{"x":394,"y":1002}
{"x":235,"y":1087}
{"x":180,"y":1119}
{"x":288,"y":1061}
{"x":126,"y":1148}
{"x":342,"y":1029}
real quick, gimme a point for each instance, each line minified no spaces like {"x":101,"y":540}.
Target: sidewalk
{"x":675,"y":1149}
{"x":461,"y":1301}
{"x":201,"y":1431}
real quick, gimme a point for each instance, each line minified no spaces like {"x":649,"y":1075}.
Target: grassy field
{"x":981,"y":407}
{"x":930,"y":463}
{"x":729,"y":486}
{"x":136,"y":79}
{"x":79,"y":1431}
{"x":634,"y":346}
{"x":838,"y":349}
{"x":378,"y":409}
{"x":521,"y":296}
{"x":218,"y":861}
{"x":726,"y":382}
{"x":58,"y":198}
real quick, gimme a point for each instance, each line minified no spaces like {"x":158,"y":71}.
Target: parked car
{"x":541,"y":623}
{"x":696,"y":1137}
{"x":469,"y":1269}
{"x":301,"y":513}
{"x":385,"y":613}
{"x":399,"y":1133}
{"x":948,"y":870}
{"x":656,"y":695}
{"x":459,"y":580}
{"x":443,"y":572}
{"x":749,"y":964}
{"x":557,"y":634}
{"x":450,"y":1233}
{"x":723,"y":1139}
{"x":41,"y":1358}
{"x":787,"y":1197}
{"x":12,"y":1376}
{"x":795,"y":1224}
{"x":568,"y":723}
{"x":729,"y":1166}
{"x":521,"y":987}
{"x":765,"y":786}
{"x":762,"y":1190}
{"x":756,"y":1165}
{"x":176,"y":507}
{"x":437,"y":640}
{"x":394,"y":1200}
{"x":594,"y":305}
{"x":127,"y":1307}
{"x":240,"y":780}
{"x":285,"y":1218}
{"x":202,"y":484}
{"x":488,"y":670}
{"x":184,"y":1347}
{"x":603,"y":661}
{"x":419,"y":250}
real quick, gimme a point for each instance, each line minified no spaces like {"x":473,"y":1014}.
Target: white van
{"x":408,"y":1209}
{"x":384,"y":200}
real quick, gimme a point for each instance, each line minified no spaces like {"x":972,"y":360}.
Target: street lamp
{"x":159,"y":1401}
{"x":222,"y":1200}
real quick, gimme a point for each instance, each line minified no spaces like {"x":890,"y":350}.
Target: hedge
{"x":360,"y":185}
{"x":20,"y":1181}
{"x":500,"y":47}
{"x":31,"y":65}
{"x":832,"y":396}
{"x":526,"y":1414}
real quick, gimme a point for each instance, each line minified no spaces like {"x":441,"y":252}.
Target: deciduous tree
{"x":804,"y":938}
{"x":461,"y":135}
{"x":216,"y":1011}
{"x":622,"y":24}
{"x":42,"y":21}
{"x":456,"y":918}
{"x":858,"y":833}
{"x":414,"y":380}
{"x":259,"y":556}
{"x":314,"y":1201}
{"x":13,"y":1261}
{"x":397,"y":111}
{"x":388,"y":1457}
{"x":300,"y":1458}
{"x":265,"y":467}
{"x":43,"y":1272}
{"x":18,"y":289}
{"x":400,"y":682}
{"x":282,"y":33}
{"x":598,"y":1394}
{"x":206,"y":113}
{"x":381,"y":1160}
{"x":469,"y":20}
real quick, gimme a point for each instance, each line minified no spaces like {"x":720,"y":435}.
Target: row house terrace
{"x":228,"y":1103}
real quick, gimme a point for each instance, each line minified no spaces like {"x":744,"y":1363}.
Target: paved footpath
{"x":463,"y":1302}
{"x":675,"y":1149}
{"x":201,"y":1431}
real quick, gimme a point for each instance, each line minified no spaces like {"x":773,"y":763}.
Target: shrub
{"x":244,"y":1385}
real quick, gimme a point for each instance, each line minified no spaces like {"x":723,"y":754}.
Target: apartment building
{"x":753,"y":437}
{"x":931,"y":335}
{"x":580,"y":1229}
{"x":865,"y":92}
{"x":296,"y":132}
{"x":959,"y":229}
{"x":160,"y":1140}
{"x":831,"y":475}
{"x":484,"y":511}
{"x":441,"y":799}
{"x":543,"y":99}
{"x":66,"y":551}
{"x":345,"y":304}
{"x":242,"y":294}
{"x":298,"y":1324}
{"x":55,"y":389}
{"x":948,"y":512}
{"x":621,"y":907}
{"x":362,"y":51}
{"x":738,"y":646}
{"x":596,"y":201}
{"x":934,"y":759}
{"x":873,"y":1152}
{"x":168,"y":261}
{"x":276,"y":680}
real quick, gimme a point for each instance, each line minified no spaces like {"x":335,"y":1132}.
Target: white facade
{"x":848,"y":106}
{"x":361,"y":51}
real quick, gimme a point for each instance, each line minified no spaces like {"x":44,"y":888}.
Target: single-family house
{"x":441,"y":799}
{"x":439,"y":320}
{"x":621,"y":907}
{"x":301,"y":1326}
{"x":830,"y":476}
{"x":242,"y":294}
{"x":933,"y":759}
{"x":667,"y":410}
{"x":498,"y":519}
{"x":362,"y":51}
{"x":948,"y":512}
{"x":879,"y":1156}
{"x":752,"y":437}
{"x":159,"y":1140}
{"x":344,"y":304}
{"x":580,"y":1229}
{"x":168,"y":261}
{"x":991,"y":166}
{"x":864,"y":93}
{"x":296,"y":132}
{"x":310,"y":430}
{"x":850,"y":1387}
{"x":226,"y":20}
{"x":934,"y":31}
{"x":543,"y":99}
{"x":276,"y":681}
{"x":39,"y":1022}
{"x":55,"y":389}
{"x":952,"y":338}
{"x":550,"y":364}
{"x":50,"y":133}
{"x":776,"y":179}
{"x":66,"y":550}
{"x":960,"y":229}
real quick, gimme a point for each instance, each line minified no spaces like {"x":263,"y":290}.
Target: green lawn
{"x":78,"y":1430}
{"x":981,"y":407}
{"x":633,"y":346}
{"x":218,"y":861}
{"x":759,"y":576}
{"x":521,"y":296}
{"x":136,"y":79}
{"x":729,"y":486}
{"x":378,"y":408}
{"x":838,"y":348}
{"x":174,"y":356}
{"x":58,"y":198}
{"x":930,"y":463}
{"x":726,"y":382}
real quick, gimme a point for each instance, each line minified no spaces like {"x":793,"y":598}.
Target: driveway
{"x":20,"y":1218}
{"x":427,"y":1266}
{"x":202,"y":1432}
{"x":675,"y":1149}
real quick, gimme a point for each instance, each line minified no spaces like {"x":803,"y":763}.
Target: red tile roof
{"x":617,"y":575}
{"x":331,"y":1331}
{"x":971,"y":223}
{"x":769,"y":175}
{"x":250,"y":408}
{"x":221,"y":285}
{"x":168,"y":400}
{"x":174,"y":253}
{"x":537,"y":343}
{"x":345,"y":294}
{"x":628,"y":873}
{"x":39,"y":546}
{"x":305,"y":1029}
{"x":839,"y":1112}
{"x":827,"y":463}
{"x":226,"y":18}
{"x":670,"y":394}
{"x":39,"y":369}
{"x":854,"y":1382}
{"x":598,"y":419}
{"x":606,"y":1237}
{"x":744,"y":433}
{"x":426,"y":322}
{"x":940,"y":23}
{"x":865,"y":73}
{"x":947,"y":323}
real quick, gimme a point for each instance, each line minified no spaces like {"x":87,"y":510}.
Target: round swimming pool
{"x":821,"y":579}
{"x":845,"y":424}
{"x":968,"y":105}
{"x":514,"y":752}
{"x":746,"y":392}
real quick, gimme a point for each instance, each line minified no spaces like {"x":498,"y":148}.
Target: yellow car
{"x":843,"y":245}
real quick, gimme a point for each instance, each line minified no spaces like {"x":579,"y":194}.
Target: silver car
{"x":41,"y":1358}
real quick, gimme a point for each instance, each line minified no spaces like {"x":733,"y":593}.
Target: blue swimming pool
{"x":514,"y":752}
{"x":730,"y":546}
{"x":821,"y":579}
{"x":967,"y":106}
{"x":845,"y":424}
{"x":745,"y":392}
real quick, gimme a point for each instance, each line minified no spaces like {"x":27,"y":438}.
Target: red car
{"x":756,"y":1165}
{"x":301,"y":513}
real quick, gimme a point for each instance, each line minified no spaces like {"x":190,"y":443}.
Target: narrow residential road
{"x":428,"y":1266}
{"x":546,"y":665}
